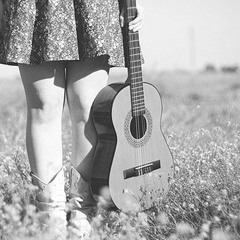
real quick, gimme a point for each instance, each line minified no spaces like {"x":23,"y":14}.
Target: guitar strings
{"x":135,"y":61}
{"x":130,"y":15}
{"x":137,"y":117}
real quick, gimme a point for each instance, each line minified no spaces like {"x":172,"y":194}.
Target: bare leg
{"x":44,"y":88}
{"x":84,"y":81}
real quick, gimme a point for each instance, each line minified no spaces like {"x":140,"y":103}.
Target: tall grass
{"x":200,"y":121}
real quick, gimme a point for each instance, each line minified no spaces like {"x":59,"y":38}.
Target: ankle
{"x":52,"y":191}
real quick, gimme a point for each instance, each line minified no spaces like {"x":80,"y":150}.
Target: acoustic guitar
{"x":131,"y":157}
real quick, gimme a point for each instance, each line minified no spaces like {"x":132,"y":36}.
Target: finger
{"x":134,"y":24}
{"x":137,"y":20}
{"x":140,"y":13}
{"x":137,"y":27}
{"x":121,"y":21}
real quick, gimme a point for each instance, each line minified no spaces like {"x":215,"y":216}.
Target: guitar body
{"x":132,"y":157}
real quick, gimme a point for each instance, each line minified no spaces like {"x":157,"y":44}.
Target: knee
{"x":80,"y":111}
{"x":45,"y":110}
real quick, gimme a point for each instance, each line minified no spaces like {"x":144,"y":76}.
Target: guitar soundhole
{"x":138,"y":126}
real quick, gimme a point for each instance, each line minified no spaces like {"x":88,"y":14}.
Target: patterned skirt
{"x":36,"y":31}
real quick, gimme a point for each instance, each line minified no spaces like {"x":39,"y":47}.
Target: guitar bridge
{"x":141,"y":170}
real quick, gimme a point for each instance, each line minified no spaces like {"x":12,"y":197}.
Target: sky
{"x":188,"y":34}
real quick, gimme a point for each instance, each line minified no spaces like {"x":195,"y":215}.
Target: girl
{"x":63,"y":48}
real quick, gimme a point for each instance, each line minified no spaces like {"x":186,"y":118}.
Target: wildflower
{"x":205,"y":229}
{"x":191,"y":206}
{"x":173,"y":237}
{"x":11,"y":214}
{"x":105,"y":199}
{"x":97,"y":221}
{"x":184,"y":229}
{"x":143,"y":219}
{"x":216,"y":219}
{"x":162,"y":218}
{"x":220,"y":235}
{"x":206,"y":204}
{"x":224,"y":193}
{"x":219,"y":207}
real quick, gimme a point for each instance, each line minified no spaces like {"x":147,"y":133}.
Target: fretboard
{"x":134,"y":65}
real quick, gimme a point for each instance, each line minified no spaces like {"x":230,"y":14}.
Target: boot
{"x":50,"y":201}
{"x":81,"y":206}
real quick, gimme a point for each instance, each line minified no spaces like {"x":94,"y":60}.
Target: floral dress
{"x":36,"y":31}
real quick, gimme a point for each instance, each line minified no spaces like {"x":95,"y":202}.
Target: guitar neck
{"x":134,"y":61}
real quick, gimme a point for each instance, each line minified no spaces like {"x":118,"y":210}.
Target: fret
{"x":135,"y":54}
{"x":135,"y":47}
{"x":133,"y":40}
{"x":135,"y":67}
{"x":140,"y":98}
{"x":136,"y":95}
{"x":133,"y":43}
{"x":137,"y":109}
{"x":136,"y":73}
{"x":137,"y":81}
{"x":136,"y":98}
{"x":140,"y":103}
{"x":135,"y":61}
{"x":134,"y":51}
{"x":137,"y":92}
{"x":136,"y":78}
{"x":131,"y":16}
{"x":133,"y":34}
{"x":137,"y":84}
{"x":132,"y":76}
{"x":135,"y":58}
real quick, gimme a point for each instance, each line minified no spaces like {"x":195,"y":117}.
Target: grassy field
{"x":201,"y":123}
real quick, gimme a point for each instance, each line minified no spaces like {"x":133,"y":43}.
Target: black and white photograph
{"x":119,"y":119}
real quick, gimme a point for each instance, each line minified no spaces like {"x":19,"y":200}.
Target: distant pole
{"x":192,"y":49}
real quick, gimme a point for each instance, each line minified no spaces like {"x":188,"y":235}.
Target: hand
{"x":137,"y":23}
